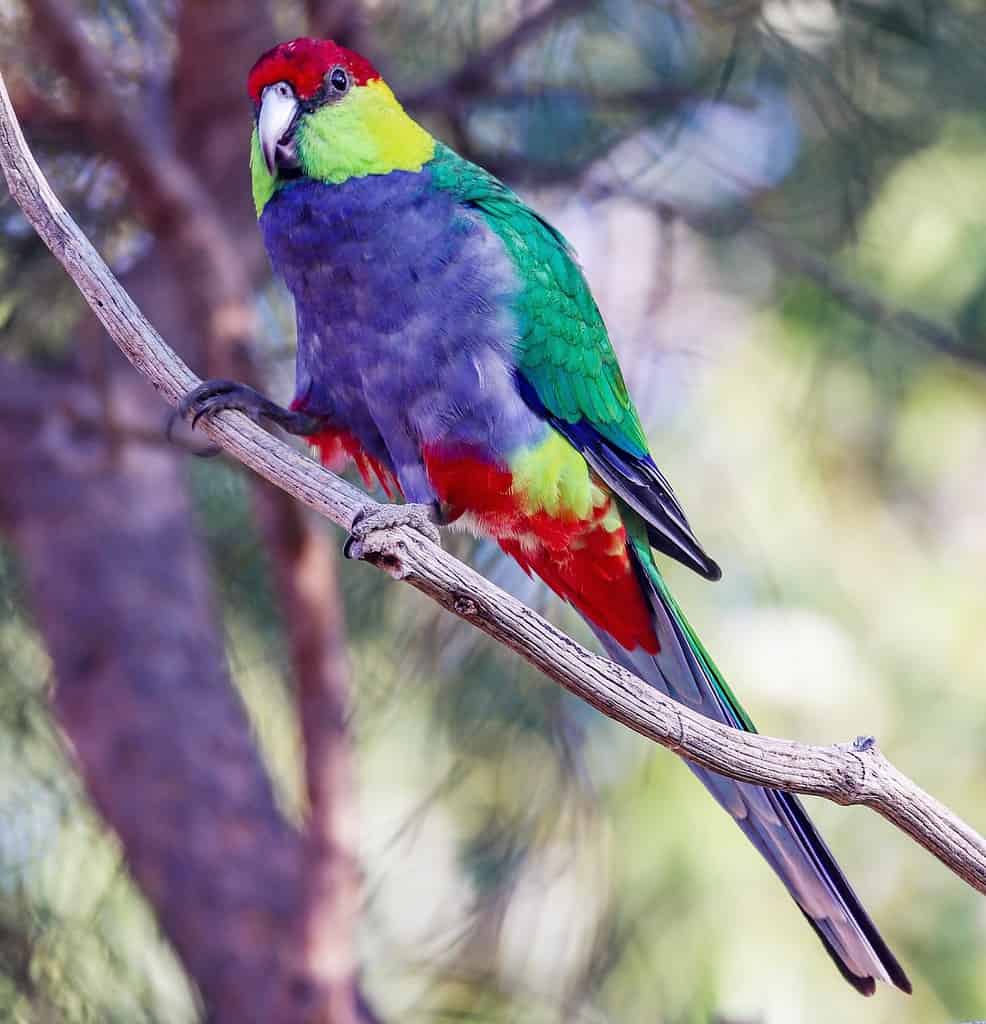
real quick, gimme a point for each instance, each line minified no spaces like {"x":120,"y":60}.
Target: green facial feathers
{"x":263,"y":182}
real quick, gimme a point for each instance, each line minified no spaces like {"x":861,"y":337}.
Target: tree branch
{"x":345,"y":21}
{"x":791,"y":256}
{"x":170,"y":197}
{"x":845,"y":774}
{"x":483,"y":66}
{"x":865,"y":304}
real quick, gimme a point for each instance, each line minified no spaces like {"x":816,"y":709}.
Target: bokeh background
{"x":780,"y":208}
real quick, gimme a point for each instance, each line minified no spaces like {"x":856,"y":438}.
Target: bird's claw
{"x":372,"y":518}
{"x":173,"y":418}
{"x":215,"y":396}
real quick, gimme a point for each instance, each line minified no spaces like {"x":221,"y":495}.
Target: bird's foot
{"x":423,"y":518}
{"x":215,"y":396}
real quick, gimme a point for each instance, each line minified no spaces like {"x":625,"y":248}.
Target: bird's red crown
{"x":303,"y":64}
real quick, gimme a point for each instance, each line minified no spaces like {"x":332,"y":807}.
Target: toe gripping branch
{"x":215,"y":396}
{"x":372,"y":518}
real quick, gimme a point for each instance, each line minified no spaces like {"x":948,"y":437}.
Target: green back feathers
{"x":565,"y":352}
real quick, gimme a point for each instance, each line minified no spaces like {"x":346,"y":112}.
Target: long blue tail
{"x":775,"y":822}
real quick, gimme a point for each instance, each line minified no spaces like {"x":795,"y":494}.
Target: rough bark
{"x":143,"y":695}
{"x":304,"y":571}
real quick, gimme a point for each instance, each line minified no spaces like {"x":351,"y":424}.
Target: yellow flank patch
{"x":612,"y":521}
{"x":367,"y":132}
{"x":554,"y":478}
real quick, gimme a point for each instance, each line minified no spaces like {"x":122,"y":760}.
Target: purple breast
{"x":405,"y":307}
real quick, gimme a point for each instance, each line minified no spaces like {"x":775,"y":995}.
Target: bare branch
{"x":345,"y":21}
{"x":864,"y":303}
{"x":169,"y":196}
{"x":482,"y":67}
{"x":845,"y":774}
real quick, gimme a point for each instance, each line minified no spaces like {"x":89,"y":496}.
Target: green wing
{"x":565,"y":352}
{"x":565,"y":358}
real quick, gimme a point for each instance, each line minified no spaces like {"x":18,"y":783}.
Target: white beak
{"x":278,"y":109}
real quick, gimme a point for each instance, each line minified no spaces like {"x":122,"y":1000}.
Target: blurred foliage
{"x":527,"y":860}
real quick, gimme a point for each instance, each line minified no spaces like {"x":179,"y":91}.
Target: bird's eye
{"x":338,"y":79}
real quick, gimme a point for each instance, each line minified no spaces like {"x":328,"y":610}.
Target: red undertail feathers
{"x":585,"y":561}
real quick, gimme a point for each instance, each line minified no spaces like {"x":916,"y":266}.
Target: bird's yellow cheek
{"x":366,"y":133}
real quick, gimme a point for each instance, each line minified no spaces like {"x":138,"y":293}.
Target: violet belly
{"x":406,"y":319}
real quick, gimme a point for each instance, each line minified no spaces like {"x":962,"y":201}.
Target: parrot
{"x":449,"y":346}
